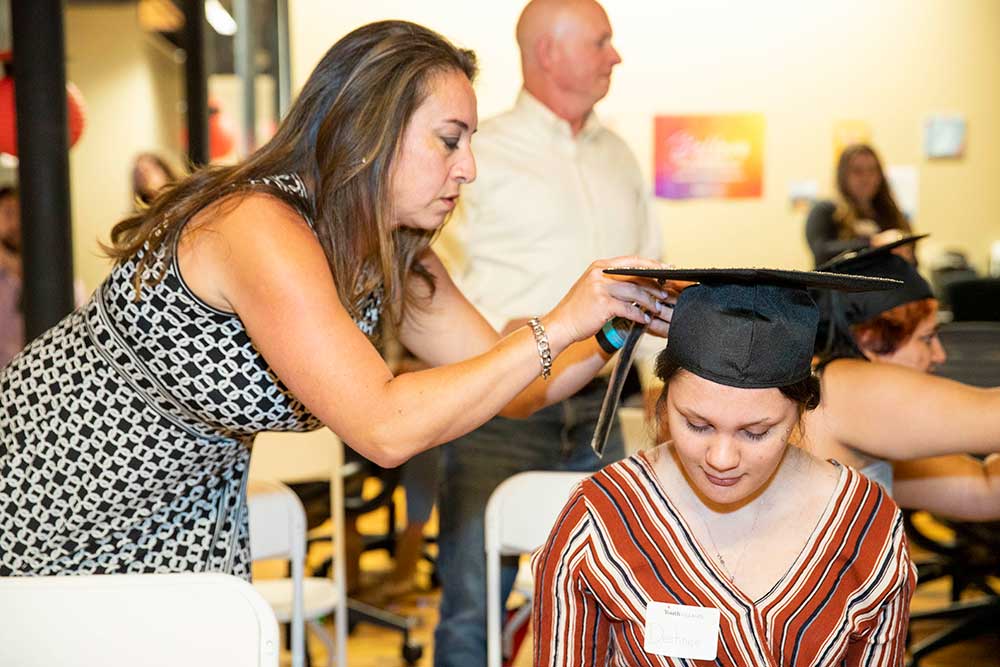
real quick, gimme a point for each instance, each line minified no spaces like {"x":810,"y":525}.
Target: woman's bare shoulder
{"x":246,"y":214}
{"x":237,"y":239}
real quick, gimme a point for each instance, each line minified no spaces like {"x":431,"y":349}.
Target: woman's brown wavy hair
{"x":341,"y":136}
{"x":887,"y":212}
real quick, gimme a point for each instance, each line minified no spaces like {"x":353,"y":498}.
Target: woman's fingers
{"x":658,"y":327}
{"x":652,"y":299}
{"x":597,"y":297}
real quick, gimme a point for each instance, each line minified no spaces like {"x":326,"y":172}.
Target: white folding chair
{"x":154,"y":620}
{"x":278,"y":530}
{"x":519,"y":517}
{"x":635,"y":429}
{"x":308,"y":457}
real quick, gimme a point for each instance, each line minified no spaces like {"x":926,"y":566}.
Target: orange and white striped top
{"x":620,"y":544}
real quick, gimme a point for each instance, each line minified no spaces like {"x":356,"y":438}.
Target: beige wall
{"x":132,"y":89}
{"x":804,"y":65}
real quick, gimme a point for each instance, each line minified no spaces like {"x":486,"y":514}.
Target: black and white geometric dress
{"x":125,"y":433}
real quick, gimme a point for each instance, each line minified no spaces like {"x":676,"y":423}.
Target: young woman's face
{"x":863,"y":177}
{"x":435,"y":156}
{"x":922,"y":351}
{"x":728,"y":440}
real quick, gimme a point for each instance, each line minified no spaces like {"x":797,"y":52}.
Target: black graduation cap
{"x":748,"y":328}
{"x":880,"y":262}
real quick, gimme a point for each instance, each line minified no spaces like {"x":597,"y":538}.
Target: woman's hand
{"x":597,"y":297}
{"x":891,"y":236}
{"x":886,"y":237}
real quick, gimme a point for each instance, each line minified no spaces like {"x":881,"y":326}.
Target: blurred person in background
{"x":150,"y":174}
{"x":556,"y":187}
{"x":865,"y":213}
{"x":11,"y":315}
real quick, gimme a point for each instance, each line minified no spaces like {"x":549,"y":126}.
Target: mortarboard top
{"x":749,"y":328}
{"x":876,"y":251}
{"x":880,"y":262}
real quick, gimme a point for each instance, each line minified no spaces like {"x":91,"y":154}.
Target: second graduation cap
{"x":881,"y":262}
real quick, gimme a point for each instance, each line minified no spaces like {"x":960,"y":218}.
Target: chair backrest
{"x":973,"y":353}
{"x":522,"y":510}
{"x":310,"y":457}
{"x":154,"y":620}
{"x":296,"y":457}
{"x":974,"y":300}
{"x":277,"y":521}
{"x":519,"y":517}
{"x":278,"y":530}
{"x":635,"y":429}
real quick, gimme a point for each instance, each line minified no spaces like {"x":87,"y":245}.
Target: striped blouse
{"x":620,"y":544}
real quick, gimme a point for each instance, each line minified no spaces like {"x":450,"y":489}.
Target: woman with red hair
{"x":885,"y":414}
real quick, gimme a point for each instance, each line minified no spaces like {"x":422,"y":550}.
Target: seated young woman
{"x":728,"y":545}
{"x":885,"y":414}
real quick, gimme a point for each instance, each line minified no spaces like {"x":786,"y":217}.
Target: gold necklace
{"x":731,"y":572}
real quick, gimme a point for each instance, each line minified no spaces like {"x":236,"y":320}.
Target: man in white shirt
{"x":555,"y":190}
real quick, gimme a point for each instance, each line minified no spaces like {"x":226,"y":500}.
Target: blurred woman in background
{"x":11,"y":315}
{"x":150,"y":174}
{"x":864,"y":214}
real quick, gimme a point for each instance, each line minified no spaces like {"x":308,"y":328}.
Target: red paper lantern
{"x":75,"y":115}
{"x":221,"y":136}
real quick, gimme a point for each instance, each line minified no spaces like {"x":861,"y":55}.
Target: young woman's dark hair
{"x":804,"y":393}
{"x":341,"y":136}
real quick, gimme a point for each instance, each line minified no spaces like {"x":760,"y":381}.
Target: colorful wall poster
{"x":802,"y":194}
{"x":944,"y":136}
{"x":712,"y":156}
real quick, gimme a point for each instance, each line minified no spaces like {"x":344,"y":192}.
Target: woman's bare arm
{"x":956,"y":487}
{"x":260,"y":260}
{"x":891,"y":412}
{"x":449,"y":329}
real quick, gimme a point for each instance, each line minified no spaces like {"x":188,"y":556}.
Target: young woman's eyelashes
{"x":451,"y":143}
{"x":698,"y":428}
{"x":704,"y":428}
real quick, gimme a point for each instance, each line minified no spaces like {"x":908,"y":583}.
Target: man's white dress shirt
{"x":544,"y":206}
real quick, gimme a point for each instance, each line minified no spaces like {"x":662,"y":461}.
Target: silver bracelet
{"x":544,"y":351}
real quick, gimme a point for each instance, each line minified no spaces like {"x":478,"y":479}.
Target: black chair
{"x":951,"y":267}
{"x":974,"y":300}
{"x":973,"y":353}
{"x":973,"y":556}
{"x":970,"y":560}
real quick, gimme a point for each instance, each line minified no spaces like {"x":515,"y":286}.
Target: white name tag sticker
{"x":679,"y":631}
